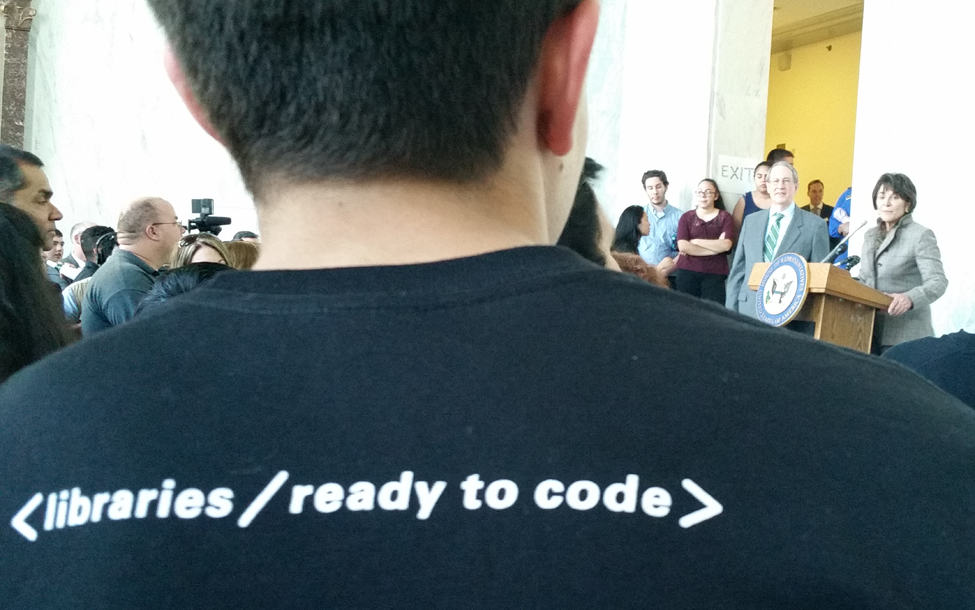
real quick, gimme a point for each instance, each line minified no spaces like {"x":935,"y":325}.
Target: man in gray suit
{"x":767,"y":233}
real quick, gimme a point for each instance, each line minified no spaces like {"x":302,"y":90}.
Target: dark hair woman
{"x":633,"y":225}
{"x":901,"y":258}
{"x":756,"y":200}
{"x":32,"y":324}
{"x":704,"y":237}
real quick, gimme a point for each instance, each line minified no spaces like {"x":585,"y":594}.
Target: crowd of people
{"x":900,"y":257}
{"x":448,"y":409}
{"x":108,"y":273}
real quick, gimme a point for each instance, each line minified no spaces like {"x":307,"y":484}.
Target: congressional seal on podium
{"x":783,"y":289}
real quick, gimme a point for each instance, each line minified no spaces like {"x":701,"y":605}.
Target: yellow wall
{"x":812,"y":110}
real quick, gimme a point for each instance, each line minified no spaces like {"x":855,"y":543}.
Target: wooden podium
{"x":842,"y":308}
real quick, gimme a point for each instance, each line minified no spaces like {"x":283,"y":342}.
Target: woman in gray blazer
{"x":901,"y":258}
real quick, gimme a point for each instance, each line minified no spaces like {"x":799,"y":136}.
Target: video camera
{"x":205,"y":223}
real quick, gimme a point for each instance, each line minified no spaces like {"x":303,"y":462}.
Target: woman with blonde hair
{"x":200,"y":248}
{"x":241,"y":254}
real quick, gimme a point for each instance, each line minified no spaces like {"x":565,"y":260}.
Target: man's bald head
{"x":138,"y":216}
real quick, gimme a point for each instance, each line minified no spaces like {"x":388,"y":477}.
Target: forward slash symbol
{"x":19,"y":522}
{"x":262,"y":499}
{"x":712,"y":508}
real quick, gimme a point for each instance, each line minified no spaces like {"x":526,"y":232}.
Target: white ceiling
{"x":800,"y":22}
{"x":789,"y":12}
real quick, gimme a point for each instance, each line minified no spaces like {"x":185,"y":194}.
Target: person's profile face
{"x":781,"y":186}
{"x":34,"y":198}
{"x":644,"y":225}
{"x":656,"y":190}
{"x":54,"y":254}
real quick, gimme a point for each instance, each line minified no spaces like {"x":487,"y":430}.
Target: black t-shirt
{"x":515,"y":429}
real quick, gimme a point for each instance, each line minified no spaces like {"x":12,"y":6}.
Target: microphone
{"x":850,"y":263}
{"x":839,"y":247}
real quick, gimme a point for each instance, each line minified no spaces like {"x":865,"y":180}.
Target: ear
{"x":562,"y":74}
{"x":178,"y":78}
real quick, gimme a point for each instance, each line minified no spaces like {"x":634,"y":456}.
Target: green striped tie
{"x":772,"y":237}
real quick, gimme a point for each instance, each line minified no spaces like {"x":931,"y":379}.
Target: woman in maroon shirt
{"x":704,"y":237}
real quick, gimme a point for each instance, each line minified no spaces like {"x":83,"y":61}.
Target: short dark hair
{"x":90,"y":238}
{"x":812,"y":182}
{"x":582,"y":231}
{"x":778,"y":154}
{"x":360,"y":89}
{"x":11,"y":176}
{"x":899,"y":184}
{"x":173,"y":282}
{"x":628,"y":235}
{"x":58,"y":233}
{"x":654,"y":173}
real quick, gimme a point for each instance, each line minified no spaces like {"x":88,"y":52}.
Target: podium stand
{"x":842,"y":308}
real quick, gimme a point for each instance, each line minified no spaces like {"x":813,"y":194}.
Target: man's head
{"x":57,"y":251}
{"x":655,"y":184}
{"x":75,"y":237}
{"x":782,"y":183}
{"x":90,"y":239}
{"x":815,"y":192}
{"x":24,"y":185}
{"x":150,"y":227}
{"x":303,"y":92}
{"x":780,"y":154}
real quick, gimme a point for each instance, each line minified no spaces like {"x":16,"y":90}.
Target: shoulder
{"x":916,"y":227}
{"x":758,"y":218}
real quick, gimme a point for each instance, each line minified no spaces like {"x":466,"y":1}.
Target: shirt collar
{"x":787,"y":213}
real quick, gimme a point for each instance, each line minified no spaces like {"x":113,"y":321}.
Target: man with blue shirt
{"x":659,"y":247}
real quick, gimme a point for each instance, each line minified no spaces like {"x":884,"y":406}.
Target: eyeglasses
{"x":780,"y":181}
{"x":175,"y":222}
{"x":701,"y":193}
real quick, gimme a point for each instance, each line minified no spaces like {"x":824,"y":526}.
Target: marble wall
{"x":107,"y":122}
{"x":677,"y":86}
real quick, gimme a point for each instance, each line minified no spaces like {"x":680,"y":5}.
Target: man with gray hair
{"x":148,"y":231}
{"x":766,"y":234}
{"x":24,"y":185}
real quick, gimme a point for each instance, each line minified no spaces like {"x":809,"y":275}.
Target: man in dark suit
{"x":766,"y":234}
{"x":816,"y":205}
